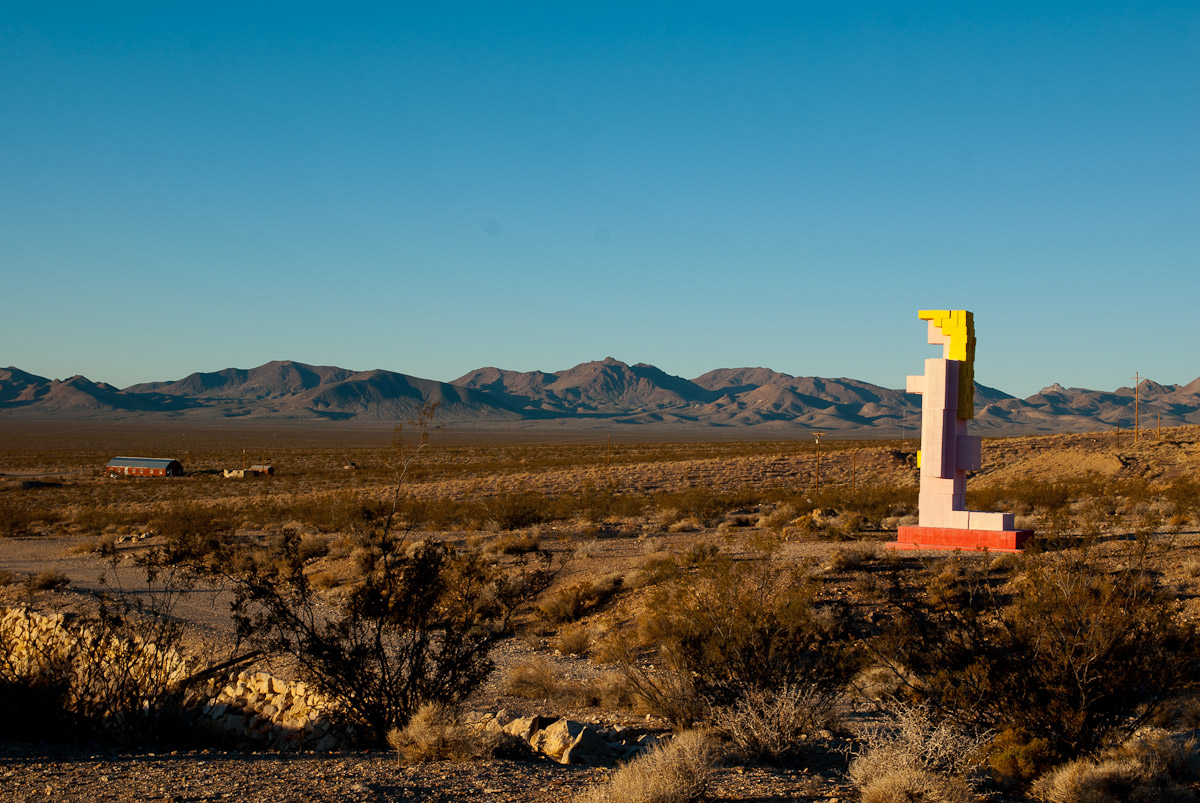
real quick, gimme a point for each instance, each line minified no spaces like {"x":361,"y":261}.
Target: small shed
{"x":144,"y":467}
{"x":261,"y":469}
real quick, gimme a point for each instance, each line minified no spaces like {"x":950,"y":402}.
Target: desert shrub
{"x":418,"y":626}
{"x":98,"y":518}
{"x":7,"y":578}
{"x":915,"y":757}
{"x":597,"y":504}
{"x":777,"y":518}
{"x":515,"y":511}
{"x":700,"y":505}
{"x":49,"y":580}
{"x":513,"y":544}
{"x":191,"y":532}
{"x":536,"y":678}
{"x":773,"y":724}
{"x":1150,"y":768}
{"x":689,"y":524}
{"x":871,"y":502}
{"x":609,"y":691}
{"x":312,"y":547}
{"x":1184,"y":493}
{"x":853,"y":556}
{"x":678,"y":772}
{"x":1094,"y":650}
{"x":588,"y":549}
{"x":576,"y":600}
{"x":15,"y":519}
{"x":727,"y":628}
{"x":436,"y":733}
{"x":1015,"y":758}
{"x":883,"y":682}
{"x":573,"y":640}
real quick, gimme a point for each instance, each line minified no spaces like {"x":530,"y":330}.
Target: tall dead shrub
{"x":1067,"y":651}
{"x":727,"y":628}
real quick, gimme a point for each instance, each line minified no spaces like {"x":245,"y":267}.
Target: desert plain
{"x":625,"y":523}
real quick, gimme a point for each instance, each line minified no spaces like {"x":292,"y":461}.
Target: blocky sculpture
{"x":947,"y":452}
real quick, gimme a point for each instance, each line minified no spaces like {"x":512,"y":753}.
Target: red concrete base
{"x":916,"y":537}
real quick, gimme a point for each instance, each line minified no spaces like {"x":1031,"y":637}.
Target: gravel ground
{"x":33,"y":773}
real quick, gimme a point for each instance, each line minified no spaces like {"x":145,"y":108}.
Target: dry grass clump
{"x":915,"y":758}
{"x":513,"y":544}
{"x":573,"y":640}
{"x":436,"y":733}
{"x":777,"y":518}
{"x":1150,"y":768}
{"x":883,"y":682}
{"x":536,"y":678}
{"x":854,"y":555}
{"x":678,"y":772}
{"x":49,"y":580}
{"x":572,"y":602}
{"x":313,"y":547}
{"x":539,"y":679}
{"x":588,"y":549}
{"x":774,"y":725}
{"x":689,"y":524}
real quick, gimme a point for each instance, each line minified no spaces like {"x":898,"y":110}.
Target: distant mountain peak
{"x":599,"y":393}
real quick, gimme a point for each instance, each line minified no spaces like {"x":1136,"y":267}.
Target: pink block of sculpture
{"x":947,"y":391}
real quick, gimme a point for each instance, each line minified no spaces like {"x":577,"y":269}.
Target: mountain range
{"x":593,"y":394}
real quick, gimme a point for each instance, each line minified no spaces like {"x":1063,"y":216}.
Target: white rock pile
{"x":279,"y":714}
{"x":567,"y":741}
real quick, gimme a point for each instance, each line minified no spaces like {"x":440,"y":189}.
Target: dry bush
{"x":515,"y":511}
{"x":774,"y":724}
{"x":1152,"y":768}
{"x":1016,"y":758}
{"x":536,"y":678}
{"x":915,"y":758}
{"x":777,"y":518}
{"x":883,"y":682}
{"x":609,"y":692}
{"x":678,"y":772}
{"x":653,"y":545}
{"x":49,"y":580}
{"x":417,"y":626}
{"x":852,"y":556}
{"x":7,"y":578}
{"x":1097,"y":647}
{"x":573,"y":640}
{"x":192,"y":532}
{"x":513,"y":544}
{"x":436,"y":733}
{"x":326,"y":580}
{"x":586,"y":550}
{"x":689,"y":524}
{"x":576,"y":600}
{"x":16,"y":519}
{"x":313,"y":547}
{"x":725,"y":628}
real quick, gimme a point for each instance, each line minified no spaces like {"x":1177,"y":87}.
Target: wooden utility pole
{"x":818,"y":435}
{"x":1137,"y":380}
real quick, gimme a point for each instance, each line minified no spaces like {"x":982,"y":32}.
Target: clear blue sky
{"x":438,"y":187}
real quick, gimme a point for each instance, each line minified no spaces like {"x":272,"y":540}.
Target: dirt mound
{"x":1058,"y":464}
